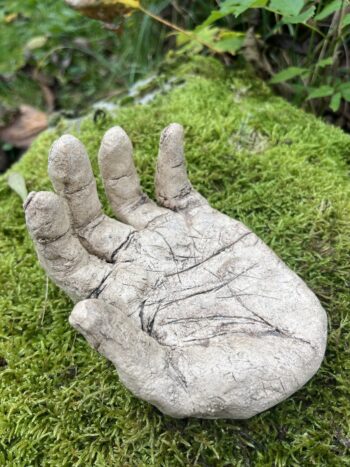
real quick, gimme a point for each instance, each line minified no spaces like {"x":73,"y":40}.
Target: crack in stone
{"x":161,"y":305}
{"x":195,"y":319}
{"x":48,"y":241}
{"x":116,"y":179}
{"x":100,"y":288}
{"x":124,"y":244}
{"x":81,"y":188}
{"x":221,"y":250}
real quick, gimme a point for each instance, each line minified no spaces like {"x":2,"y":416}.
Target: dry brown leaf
{"x":24,"y":128}
{"x":104,"y":10}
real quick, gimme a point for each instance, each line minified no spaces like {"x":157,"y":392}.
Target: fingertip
{"x":121,"y":181}
{"x":46,"y":216}
{"x":171,"y":147}
{"x":115,"y":143}
{"x":63,"y":146}
{"x":81,"y":316}
{"x":171,"y":176}
{"x":87,"y":318}
{"x":68,"y":165}
{"x":43,"y":201}
{"x":115,"y":153}
{"x":172,"y":134}
{"x":116,"y":134}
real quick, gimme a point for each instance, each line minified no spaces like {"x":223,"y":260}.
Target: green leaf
{"x":36,"y":42}
{"x":288,"y":73}
{"x":17,"y":183}
{"x":182,"y":39}
{"x":346,"y":21}
{"x":322,"y":91}
{"x":205,"y":34}
{"x":325,"y":62}
{"x":237,"y":7}
{"x":335,"y":101}
{"x":345,"y":91}
{"x":214,"y":16}
{"x":7,"y":147}
{"x":287,"y":7}
{"x":230,"y":44}
{"x":201,"y":34}
{"x":302,"y":18}
{"x":328,"y":10}
{"x":222,"y":39}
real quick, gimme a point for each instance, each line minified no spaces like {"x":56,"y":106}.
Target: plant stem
{"x":170,"y":25}
{"x":332,"y":28}
{"x":337,"y":41}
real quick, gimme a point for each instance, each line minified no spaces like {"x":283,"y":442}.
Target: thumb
{"x":141,"y":362}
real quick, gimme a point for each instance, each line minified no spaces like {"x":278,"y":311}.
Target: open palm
{"x":198,"y":315}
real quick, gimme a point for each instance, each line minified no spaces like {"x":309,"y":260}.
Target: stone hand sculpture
{"x":197,"y":314}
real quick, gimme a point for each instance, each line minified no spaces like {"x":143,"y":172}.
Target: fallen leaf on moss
{"x":24,"y":127}
{"x":17,"y":183}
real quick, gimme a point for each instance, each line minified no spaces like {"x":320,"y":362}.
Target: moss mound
{"x":256,"y":158}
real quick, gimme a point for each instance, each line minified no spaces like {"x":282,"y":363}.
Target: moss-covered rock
{"x":256,"y":158}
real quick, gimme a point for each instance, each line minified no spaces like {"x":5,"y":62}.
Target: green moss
{"x":207,"y":67}
{"x":62,"y":404}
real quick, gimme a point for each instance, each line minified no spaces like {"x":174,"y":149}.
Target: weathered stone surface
{"x":198,"y":315}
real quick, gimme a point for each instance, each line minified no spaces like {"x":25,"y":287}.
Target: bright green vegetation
{"x":76,"y":57}
{"x":256,"y":158}
{"x":304,"y":42}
